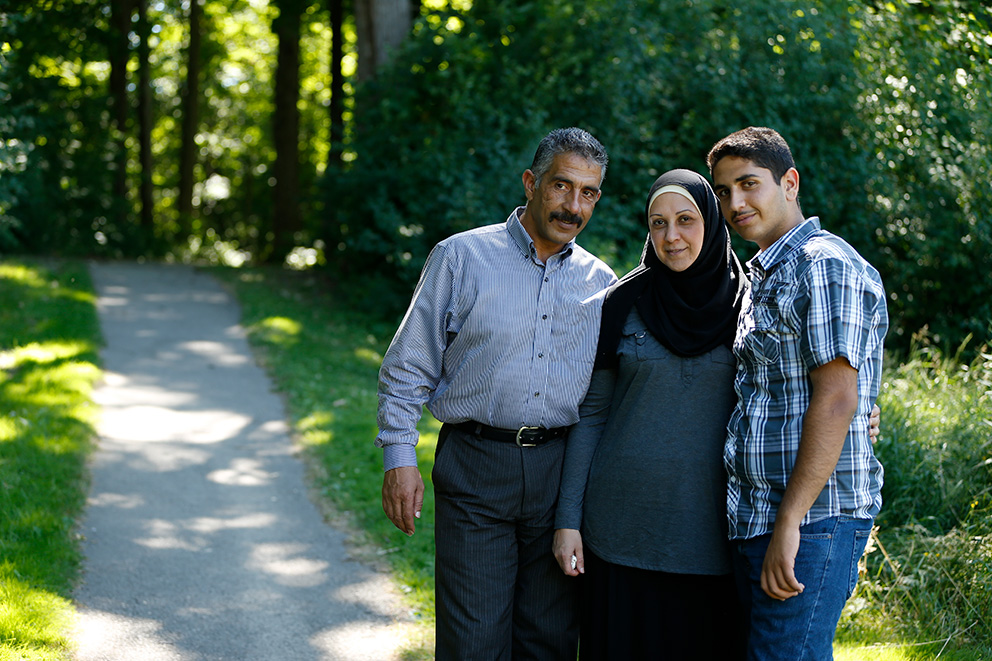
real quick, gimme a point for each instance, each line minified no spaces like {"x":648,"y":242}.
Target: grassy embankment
{"x":48,"y":363}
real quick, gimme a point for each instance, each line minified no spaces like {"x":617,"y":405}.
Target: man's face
{"x":559,"y":208}
{"x":756,"y":206}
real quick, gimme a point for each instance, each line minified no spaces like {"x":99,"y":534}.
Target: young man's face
{"x":756,"y":206}
{"x":559,"y":208}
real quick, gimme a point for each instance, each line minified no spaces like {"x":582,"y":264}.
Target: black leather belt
{"x":525,"y":437}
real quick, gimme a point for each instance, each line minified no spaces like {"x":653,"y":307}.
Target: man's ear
{"x":790,"y":184}
{"x":529,"y":180}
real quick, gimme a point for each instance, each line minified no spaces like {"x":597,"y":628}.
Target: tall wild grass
{"x":929,"y":577}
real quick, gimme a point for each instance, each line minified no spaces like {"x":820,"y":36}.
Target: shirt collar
{"x":523,"y":240}
{"x":766,"y":260}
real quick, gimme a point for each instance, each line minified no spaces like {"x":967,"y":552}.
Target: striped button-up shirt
{"x":813,"y":299}
{"x":492,"y":335}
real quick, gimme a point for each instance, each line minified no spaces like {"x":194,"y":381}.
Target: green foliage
{"x":925,"y":106}
{"x":931,"y":576}
{"x":883,"y":108}
{"x":56,"y":117}
{"x":48,"y":339}
{"x":886,"y":105}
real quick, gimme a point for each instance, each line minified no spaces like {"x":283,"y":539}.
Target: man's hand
{"x":566,"y":546}
{"x":403,"y":497}
{"x":778,"y":576}
{"x":874,"y":420}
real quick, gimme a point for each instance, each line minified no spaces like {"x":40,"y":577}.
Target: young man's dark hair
{"x":763,"y":146}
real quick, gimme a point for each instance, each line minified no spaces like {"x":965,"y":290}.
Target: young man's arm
{"x":833,"y":404}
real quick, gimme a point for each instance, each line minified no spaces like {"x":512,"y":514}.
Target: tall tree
{"x":336,"y":109}
{"x":190,"y":121}
{"x":119,"y":53}
{"x":381,"y":26}
{"x":286,"y":219}
{"x":145,"y":117}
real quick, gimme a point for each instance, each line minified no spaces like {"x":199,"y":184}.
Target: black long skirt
{"x":637,"y":614}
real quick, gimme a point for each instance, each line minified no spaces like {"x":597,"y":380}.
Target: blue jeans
{"x":801,"y":628}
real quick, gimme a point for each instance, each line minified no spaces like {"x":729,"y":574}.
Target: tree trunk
{"x":145,"y":119}
{"x":381,"y":25}
{"x":191,"y":116}
{"x":286,"y":131}
{"x":337,"y":84}
{"x":120,"y":26}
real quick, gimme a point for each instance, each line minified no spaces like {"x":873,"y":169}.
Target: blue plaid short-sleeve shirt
{"x":813,"y":299}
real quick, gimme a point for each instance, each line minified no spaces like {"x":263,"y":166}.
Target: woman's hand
{"x":567,"y":549}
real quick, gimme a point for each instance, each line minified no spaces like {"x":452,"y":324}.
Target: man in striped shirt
{"x":804,"y":483}
{"x":499,"y":343}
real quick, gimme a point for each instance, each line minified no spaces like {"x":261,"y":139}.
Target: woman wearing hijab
{"x":643,"y":478}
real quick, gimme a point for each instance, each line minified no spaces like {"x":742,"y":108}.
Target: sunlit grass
{"x":48,"y":364}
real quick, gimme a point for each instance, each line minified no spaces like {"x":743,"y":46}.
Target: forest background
{"x":346,"y":137}
{"x":354,"y":134}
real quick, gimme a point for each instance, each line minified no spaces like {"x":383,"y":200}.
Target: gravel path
{"x":200,"y":540}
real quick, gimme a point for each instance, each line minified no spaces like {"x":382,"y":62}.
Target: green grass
{"x":49,"y":335}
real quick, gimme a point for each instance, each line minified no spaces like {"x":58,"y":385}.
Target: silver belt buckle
{"x":521,"y":431}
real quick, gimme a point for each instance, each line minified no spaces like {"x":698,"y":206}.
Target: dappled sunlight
{"x":195,"y":534}
{"x":42,"y":353}
{"x":318,"y":433}
{"x":368,"y":356}
{"x":219,"y":353}
{"x":120,"y":390}
{"x":244,"y":472}
{"x":96,"y":632}
{"x":279,"y":330}
{"x":363,"y":640}
{"x":119,"y":500}
{"x":164,"y":535}
{"x":288,"y":565}
{"x":213,"y":524}
{"x":161,"y":424}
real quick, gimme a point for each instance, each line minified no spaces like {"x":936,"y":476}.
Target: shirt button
{"x":544,"y":316}
{"x":540,"y":355}
{"x":537,"y":394}
{"x":546,"y":279}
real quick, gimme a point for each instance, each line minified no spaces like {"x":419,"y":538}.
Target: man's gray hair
{"x":568,"y":141}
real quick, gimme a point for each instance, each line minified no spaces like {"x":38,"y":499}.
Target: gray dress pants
{"x":499,"y":591}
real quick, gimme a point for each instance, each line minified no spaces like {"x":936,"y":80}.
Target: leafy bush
{"x":881,"y":105}
{"x":932,"y":575}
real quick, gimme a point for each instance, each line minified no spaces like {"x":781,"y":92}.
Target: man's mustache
{"x":566,"y":217}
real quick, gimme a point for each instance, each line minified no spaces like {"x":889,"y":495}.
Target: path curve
{"x":200,"y":541}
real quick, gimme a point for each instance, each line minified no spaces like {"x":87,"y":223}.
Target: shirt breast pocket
{"x":764,"y":342}
{"x":639,"y":341}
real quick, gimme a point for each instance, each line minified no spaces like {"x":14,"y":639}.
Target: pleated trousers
{"x":500,"y":594}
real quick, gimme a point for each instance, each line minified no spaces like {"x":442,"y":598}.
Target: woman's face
{"x":676,"y":230}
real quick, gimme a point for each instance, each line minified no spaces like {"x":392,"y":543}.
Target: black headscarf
{"x":690,"y":312}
